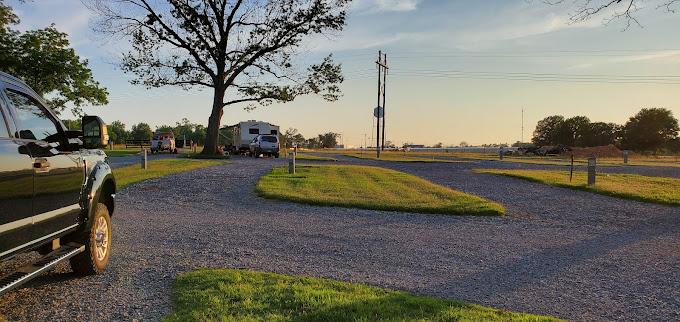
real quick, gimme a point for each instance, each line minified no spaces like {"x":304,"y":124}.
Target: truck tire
{"x":97,"y":241}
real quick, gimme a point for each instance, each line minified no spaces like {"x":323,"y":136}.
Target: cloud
{"x":376,"y":6}
{"x":522,"y":29}
{"x":68,"y":16}
{"x":663,"y":56}
{"x":359,"y":41}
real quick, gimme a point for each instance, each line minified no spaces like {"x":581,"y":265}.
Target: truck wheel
{"x":97,"y":241}
{"x":278,"y":155}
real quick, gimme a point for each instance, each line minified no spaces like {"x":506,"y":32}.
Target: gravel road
{"x":559,"y":252}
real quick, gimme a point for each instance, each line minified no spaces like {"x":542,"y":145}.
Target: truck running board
{"x":26,"y":273}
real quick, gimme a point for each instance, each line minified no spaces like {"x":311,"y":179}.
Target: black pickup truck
{"x":56,"y":187}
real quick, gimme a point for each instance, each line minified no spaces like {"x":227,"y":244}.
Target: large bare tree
{"x":612,"y":10}
{"x":245,"y":51}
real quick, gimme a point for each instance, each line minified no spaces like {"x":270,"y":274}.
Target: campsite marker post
{"x":592,"y":164}
{"x":291,"y":162}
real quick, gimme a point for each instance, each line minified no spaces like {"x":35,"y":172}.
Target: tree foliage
{"x":117,"y":132}
{"x":328,"y":140}
{"x":572,"y":131}
{"x":650,"y":130}
{"x":600,"y":134}
{"x":44,"y":60}
{"x":242,"y":50}
{"x":141,"y":131}
{"x":546,"y":131}
{"x":291,"y":137}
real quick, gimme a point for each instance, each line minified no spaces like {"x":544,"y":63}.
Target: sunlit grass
{"x":630,"y":186}
{"x":241,"y":295}
{"x":309,"y":157}
{"x":370,"y":188}
{"x":634,"y":160}
{"x":158,"y":168}
{"x":393,"y":157}
{"x":122,"y":152}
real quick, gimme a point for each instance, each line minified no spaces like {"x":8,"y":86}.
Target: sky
{"x":459,"y":70}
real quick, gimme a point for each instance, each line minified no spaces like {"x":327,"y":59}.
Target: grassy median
{"x":122,"y":152}
{"x":370,"y":188}
{"x":393,"y":157}
{"x":241,"y":295}
{"x":629,"y":186}
{"x":158,"y":168}
{"x":309,"y":157}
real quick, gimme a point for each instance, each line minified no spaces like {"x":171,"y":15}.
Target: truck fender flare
{"x":100,"y":185}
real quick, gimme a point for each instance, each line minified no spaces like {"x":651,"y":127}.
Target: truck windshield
{"x":271,"y":139}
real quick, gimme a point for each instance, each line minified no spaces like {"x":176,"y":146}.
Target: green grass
{"x":122,"y":152}
{"x":370,"y":188}
{"x":414,"y":156}
{"x":241,"y":295}
{"x":629,"y":186}
{"x":158,"y":168}
{"x":309,"y":157}
{"x":393,"y":157}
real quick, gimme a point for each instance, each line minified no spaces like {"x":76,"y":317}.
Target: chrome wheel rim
{"x":101,"y":238}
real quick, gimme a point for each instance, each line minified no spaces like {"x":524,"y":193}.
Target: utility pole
{"x":384,"y":90}
{"x":380,"y":109}
{"x":377,"y":114}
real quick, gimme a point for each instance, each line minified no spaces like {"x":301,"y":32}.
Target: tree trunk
{"x":212,"y":135}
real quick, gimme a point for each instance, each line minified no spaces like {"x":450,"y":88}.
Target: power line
{"x":548,"y":77}
{"x":536,"y":74}
{"x":419,"y":54}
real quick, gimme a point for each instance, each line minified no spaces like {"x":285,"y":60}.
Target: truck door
{"x":58,"y":173}
{"x":16,"y":190}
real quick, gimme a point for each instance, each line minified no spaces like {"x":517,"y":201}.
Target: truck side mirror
{"x":95,"y":134}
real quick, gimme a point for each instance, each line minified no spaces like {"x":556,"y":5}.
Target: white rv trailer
{"x":245,"y":132}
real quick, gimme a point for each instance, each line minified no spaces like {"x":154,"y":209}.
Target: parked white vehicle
{"x":163,"y":142}
{"x":267,"y":145}
{"x":246,"y":132}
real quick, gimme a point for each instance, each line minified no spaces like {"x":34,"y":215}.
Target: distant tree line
{"x":291,"y":137}
{"x":118,"y":131}
{"x":650,"y":130}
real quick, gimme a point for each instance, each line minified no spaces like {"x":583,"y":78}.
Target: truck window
{"x":35,"y":122}
{"x":254,"y":131}
{"x":274,"y":132}
{"x":268,"y":138}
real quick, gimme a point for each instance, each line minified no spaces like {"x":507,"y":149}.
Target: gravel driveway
{"x":559,"y":252}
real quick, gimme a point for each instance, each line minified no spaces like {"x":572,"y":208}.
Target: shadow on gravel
{"x":531,"y":270}
{"x":48,"y":279}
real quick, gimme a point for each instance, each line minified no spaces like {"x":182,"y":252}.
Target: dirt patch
{"x":598,"y":151}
